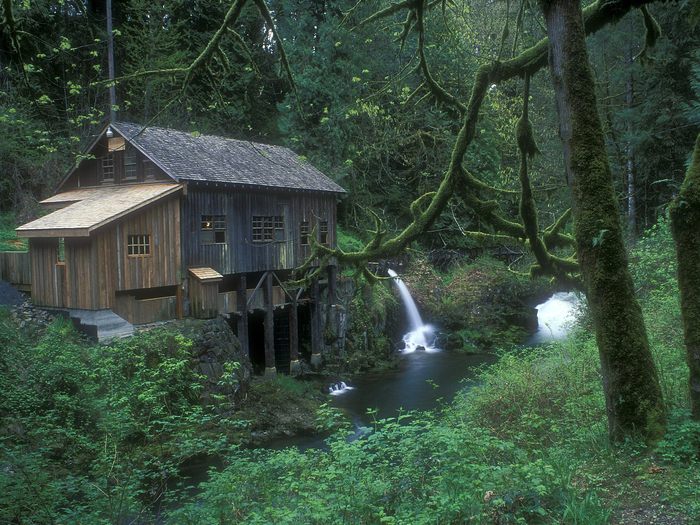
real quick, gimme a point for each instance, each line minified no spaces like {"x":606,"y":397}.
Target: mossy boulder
{"x":218,"y":357}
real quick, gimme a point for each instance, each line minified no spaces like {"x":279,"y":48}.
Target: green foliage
{"x":681,"y":443}
{"x":348,"y":241}
{"x":93,"y":433}
{"x":8,"y":237}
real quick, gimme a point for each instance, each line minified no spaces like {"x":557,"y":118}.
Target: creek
{"x":426,"y":376}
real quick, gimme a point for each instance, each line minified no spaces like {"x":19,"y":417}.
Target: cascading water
{"x":339,"y":388}
{"x":417,"y":337}
{"x":555,"y":317}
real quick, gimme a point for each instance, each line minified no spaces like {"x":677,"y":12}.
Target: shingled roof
{"x":208,"y":158}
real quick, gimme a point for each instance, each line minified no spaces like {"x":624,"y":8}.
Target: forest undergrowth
{"x":526,"y":443}
{"x":93,"y":434}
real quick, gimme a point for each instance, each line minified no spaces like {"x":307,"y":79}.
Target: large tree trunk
{"x":630,"y":381}
{"x":685,"y":223}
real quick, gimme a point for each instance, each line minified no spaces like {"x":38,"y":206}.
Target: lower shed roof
{"x":90,"y":208}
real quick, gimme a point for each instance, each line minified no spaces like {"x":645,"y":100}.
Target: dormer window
{"x":130,"y":164}
{"x":108,"y":168}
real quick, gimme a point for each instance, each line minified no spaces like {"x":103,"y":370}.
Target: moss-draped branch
{"x":457,"y":180}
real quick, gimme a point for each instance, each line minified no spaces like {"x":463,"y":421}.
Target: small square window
{"x":138,"y":245}
{"x":213,"y":229}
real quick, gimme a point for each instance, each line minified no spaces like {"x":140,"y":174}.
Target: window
{"x":304,"y":233}
{"x":138,"y":245}
{"x":268,"y":228}
{"x":213,"y":229}
{"x":130,"y":164}
{"x":279,"y":228}
{"x":108,"y":168}
{"x":323,"y":232}
{"x":149,"y":170}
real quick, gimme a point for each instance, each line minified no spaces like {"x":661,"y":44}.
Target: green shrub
{"x":681,"y":444}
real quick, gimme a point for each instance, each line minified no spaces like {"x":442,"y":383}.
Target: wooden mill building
{"x":158,"y":224}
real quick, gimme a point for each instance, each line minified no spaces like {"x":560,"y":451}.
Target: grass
{"x":9,"y":242}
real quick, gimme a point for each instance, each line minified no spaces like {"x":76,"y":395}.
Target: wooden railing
{"x":16,"y":268}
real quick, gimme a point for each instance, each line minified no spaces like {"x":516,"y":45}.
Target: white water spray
{"x":339,"y":388}
{"x":555,"y":316}
{"x":416,"y":338}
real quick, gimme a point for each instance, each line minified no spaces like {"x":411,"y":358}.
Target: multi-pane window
{"x":149,"y":170}
{"x":279,"y":228}
{"x":268,"y":228}
{"x":130,"y":164}
{"x":304,"y":233}
{"x":323,"y":232}
{"x":213,"y":229}
{"x":138,"y":245}
{"x":108,"y":167}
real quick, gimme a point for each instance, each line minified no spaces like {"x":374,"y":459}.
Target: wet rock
{"x":217,"y":355}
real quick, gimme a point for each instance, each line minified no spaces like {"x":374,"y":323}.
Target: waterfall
{"x":416,"y":337}
{"x":555,"y":317}
{"x":339,"y":388}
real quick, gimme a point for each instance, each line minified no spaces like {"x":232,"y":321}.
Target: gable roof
{"x":209,"y":158}
{"x":90,"y":208}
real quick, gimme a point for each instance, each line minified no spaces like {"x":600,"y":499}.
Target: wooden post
{"x":332,"y":307}
{"x":316,"y":342}
{"x":242,"y":308}
{"x":178,"y":301}
{"x":294,"y":365}
{"x":270,"y":369}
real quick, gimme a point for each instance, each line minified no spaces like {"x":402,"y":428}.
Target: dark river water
{"x":423,"y":380}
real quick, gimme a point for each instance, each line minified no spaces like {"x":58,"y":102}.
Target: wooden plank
{"x":16,"y":267}
{"x":242,"y":314}
{"x":316,"y":334}
{"x":294,"y":366}
{"x":269,"y":327}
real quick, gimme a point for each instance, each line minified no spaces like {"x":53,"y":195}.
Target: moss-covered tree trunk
{"x":630,"y":381}
{"x":685,"y":224}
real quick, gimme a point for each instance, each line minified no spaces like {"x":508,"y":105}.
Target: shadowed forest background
{"x":99,"y":434}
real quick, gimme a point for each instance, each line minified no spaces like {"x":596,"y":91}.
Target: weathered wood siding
{"x":239,"y":253}
{"x":228,"y":301}
{"x":162,"y":266}
{"x":139,"y":311}
{"x":204,"y":297}
{"x":89,"y":172}
{"x":48,"y":274}
{"x":88,"y":285}
{"x":95,"y":268}
{"x":16,"y":268}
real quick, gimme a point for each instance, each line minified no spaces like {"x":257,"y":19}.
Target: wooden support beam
{"x":242,"y":308}
{"x":332,"y":307}
{"x":295,"y":365}
{"x":270,"y":369}
{"x":257,"y":287}
{"x":179,"y":308}
{"x":316,"y":335}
